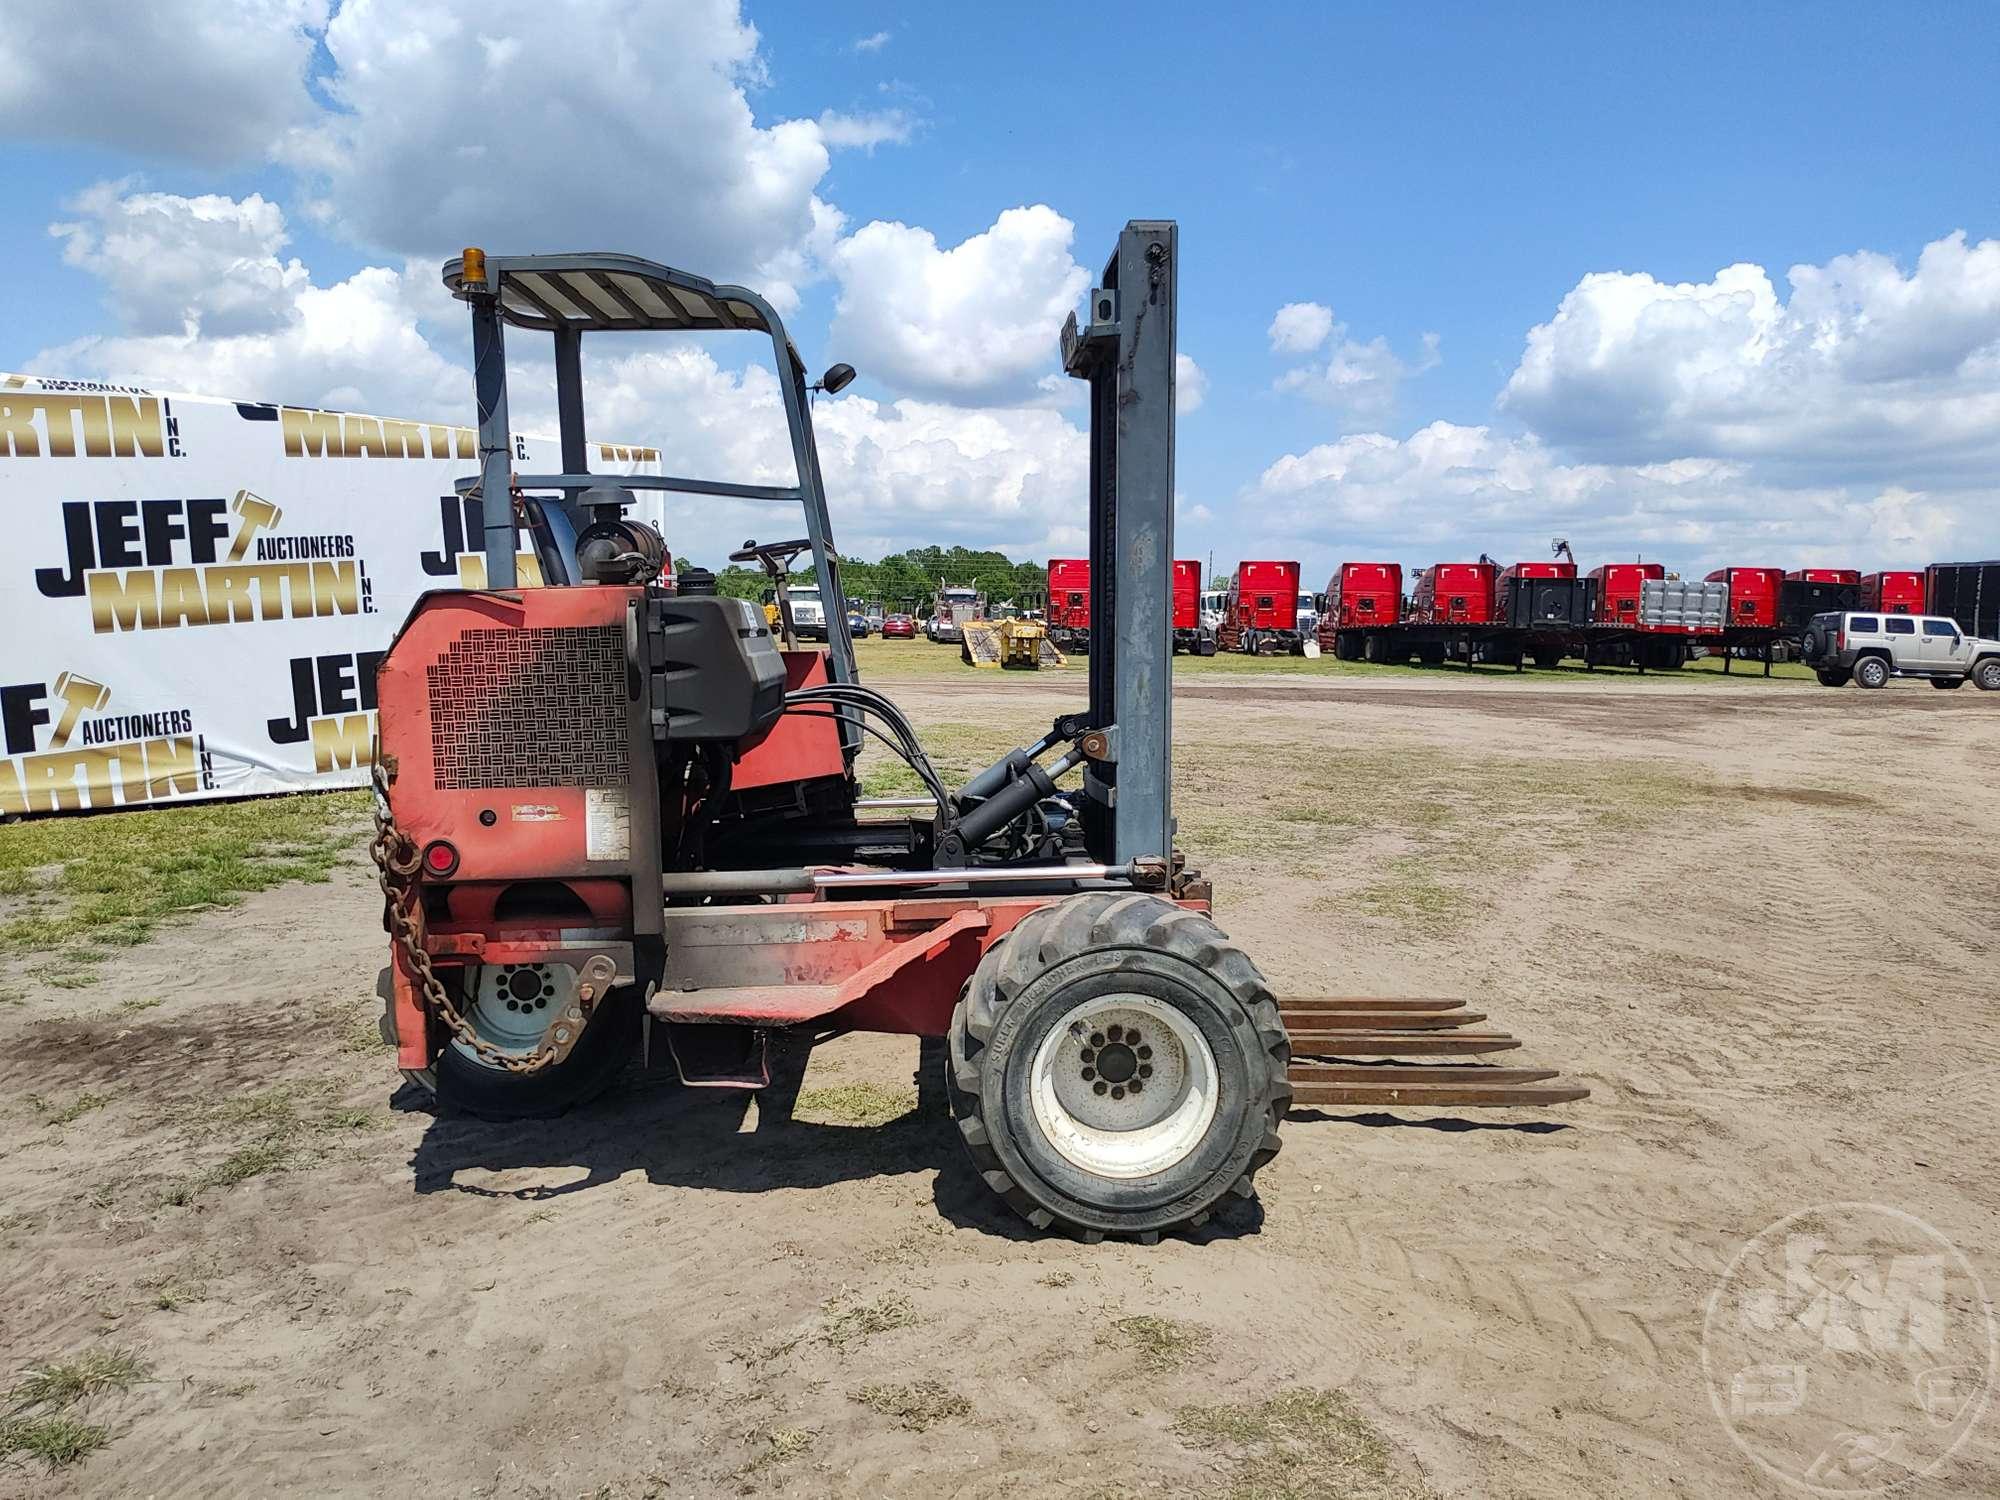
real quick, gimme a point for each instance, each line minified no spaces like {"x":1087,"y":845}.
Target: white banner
{"x":195,"y":592}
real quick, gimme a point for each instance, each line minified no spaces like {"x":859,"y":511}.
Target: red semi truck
{"x":1893,"y":592}
{"x":1358,"y":596}
{"x":1619,"y":588}
{"x":1753,"y":596}
{"x":1188,"y":633}
{"x":1454,"y":594}
{"x":1069,"y":602}
{"x":1262,"y":612}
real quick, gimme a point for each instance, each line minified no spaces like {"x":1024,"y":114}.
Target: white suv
{"x":1870,"y":649}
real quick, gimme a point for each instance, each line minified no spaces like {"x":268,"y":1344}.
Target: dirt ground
{"x":1758,"y":920}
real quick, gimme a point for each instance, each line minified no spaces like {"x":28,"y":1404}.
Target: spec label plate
{"x":607,"y":823}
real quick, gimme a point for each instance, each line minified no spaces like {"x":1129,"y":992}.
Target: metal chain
{"x":396,"y":857}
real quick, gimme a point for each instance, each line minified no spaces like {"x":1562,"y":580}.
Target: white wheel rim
{"x":1082,"y":1095}
{"x":512,"y":1004}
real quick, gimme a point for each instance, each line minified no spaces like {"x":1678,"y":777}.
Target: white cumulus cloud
{"x":1360,"y":380}
{"x":171,"y":264}
{"x":186,"y":79}
{"x":1865,"y":373}
{"x":1300,"y":327}
{"x":974,"y":323}
{"x":630,"y":127}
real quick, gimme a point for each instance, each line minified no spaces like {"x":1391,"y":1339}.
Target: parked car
{"x":898,"y":628}
{"x":857,"y":626}
{"x":1869,"y":649}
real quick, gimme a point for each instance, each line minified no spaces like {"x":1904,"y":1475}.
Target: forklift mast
{"x":1125,"y":350}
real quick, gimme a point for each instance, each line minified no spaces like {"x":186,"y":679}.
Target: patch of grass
{"x":65,"y":979}
{"x":58,"y":1441}
{"x":18,"y":882}
{"x":1058,"y":1279}
{"x":247,"y":1162}
{"x":860,"y":1322}
{"x":1298,"y":1445}
{"x":63,"y":1114}
{"x":119,"y":876}
{"x":287,"y":1120}
{"x":1410,"y":890}
{"x":782,"y":1445}
{"x":362,"y":1034}
{"x":855,"y":1104}
{"x":1161,"y":1343}
{"x":63,"y":1383}
{"x":133,"y":1007}
{"x":919,"y":1406}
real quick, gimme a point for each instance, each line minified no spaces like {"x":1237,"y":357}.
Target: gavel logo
{"x":79,"y":696}
{"x":256,"y":513}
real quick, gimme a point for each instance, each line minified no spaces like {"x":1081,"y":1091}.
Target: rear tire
{"x":1831,"y":677}
{"x":1986,"y":675}
{"x":1947,"y":682}
{"x":1547,"y":661}
{"x":1871,"y":672}
{"x":1037,"y":1044}
{"x":465,"y":1084}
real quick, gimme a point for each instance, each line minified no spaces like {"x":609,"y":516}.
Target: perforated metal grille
{"x":536,"y":707}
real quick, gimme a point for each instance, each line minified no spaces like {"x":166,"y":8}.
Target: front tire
{"x":1871,"y":672}
{"x":1986,"y":675}
{"x":1117,"y":1066}
{"x":1831,"y":677}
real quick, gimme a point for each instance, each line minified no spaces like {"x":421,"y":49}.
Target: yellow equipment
{"x":1022,"y":644}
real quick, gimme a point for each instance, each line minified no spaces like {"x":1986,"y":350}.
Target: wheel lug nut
{"x":1134,"y":1086}
{"x":1088,"y":1055}
{"x":1097,"y":1039}
{"x":1088,"y":1074}
{"x":1099,"y":1086}
{"x":1118,"y":1093}
{"x":1145,"y":1052}
{"x":1114,"y":1032}
{"x":1145,"y":1070}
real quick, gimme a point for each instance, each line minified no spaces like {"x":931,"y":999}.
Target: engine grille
{"x":524,"y":708}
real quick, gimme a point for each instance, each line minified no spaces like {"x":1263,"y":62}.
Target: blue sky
{"x":1455,"y":172}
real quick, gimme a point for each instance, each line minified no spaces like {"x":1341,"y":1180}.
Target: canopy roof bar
{"x":470,"y":483}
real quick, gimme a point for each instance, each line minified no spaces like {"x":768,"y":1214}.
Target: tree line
{"x":905,"y":577}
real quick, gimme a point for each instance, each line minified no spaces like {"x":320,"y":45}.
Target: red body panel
{"x":536,"y":831}
{"x":1265,"y":596}
{"x":1753,"y":595}
{"x":1541,"y":570}
{"x":1618,"y":589}
{"x":1825,"y":575}
{"x":800,"y":746}
{"x":1896,"y":592}
{"x":1069,"y":593}
{"x":1187,"y":594}
{"x":1455,"y":594}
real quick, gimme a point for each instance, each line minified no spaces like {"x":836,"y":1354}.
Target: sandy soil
{"x":1758,"y":921}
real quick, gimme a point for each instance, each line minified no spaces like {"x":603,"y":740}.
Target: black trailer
{"x":1966,"y":592}
{"x":1799,"y":600}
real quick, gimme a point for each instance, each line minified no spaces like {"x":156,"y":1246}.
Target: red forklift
{"x":617,"y":823}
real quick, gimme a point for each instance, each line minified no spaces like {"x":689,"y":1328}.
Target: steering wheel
{"x":774,"y":557}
